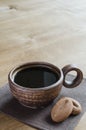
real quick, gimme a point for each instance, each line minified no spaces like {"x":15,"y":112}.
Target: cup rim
{"x":35,"y":64}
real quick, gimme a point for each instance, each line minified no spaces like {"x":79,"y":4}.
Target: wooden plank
{"x":82,"y":124}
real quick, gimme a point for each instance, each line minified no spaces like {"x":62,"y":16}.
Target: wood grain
{"x":82,"y":123}
{"x":40,"y":30}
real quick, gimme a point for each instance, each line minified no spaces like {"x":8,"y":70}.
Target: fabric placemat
{"x":40,"y":118}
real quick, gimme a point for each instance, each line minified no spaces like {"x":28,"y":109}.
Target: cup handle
{"x":77,"y":80}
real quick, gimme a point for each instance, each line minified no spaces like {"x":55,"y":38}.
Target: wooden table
{"x":40,"y":30}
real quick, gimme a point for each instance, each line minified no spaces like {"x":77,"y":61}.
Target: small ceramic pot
{"x":41,"y":96}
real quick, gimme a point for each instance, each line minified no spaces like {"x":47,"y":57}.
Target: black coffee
{"x":36,"y":77}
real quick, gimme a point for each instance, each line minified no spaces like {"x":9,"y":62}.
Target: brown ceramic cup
{"x":46,"y":89}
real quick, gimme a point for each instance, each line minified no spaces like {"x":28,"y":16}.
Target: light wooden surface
{"x":40,"y":30}
{"x":82,"y":123}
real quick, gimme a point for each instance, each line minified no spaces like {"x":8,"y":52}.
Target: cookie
{"x":76,"y":106}
{"x":61,"y":110}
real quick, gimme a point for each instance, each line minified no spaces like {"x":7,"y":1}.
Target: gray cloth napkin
{"x":40,"y":118}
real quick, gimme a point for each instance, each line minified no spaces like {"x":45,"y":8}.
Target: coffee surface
{"x":36,"y":77}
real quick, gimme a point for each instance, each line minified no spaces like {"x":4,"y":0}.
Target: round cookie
{"x":76,"y":106}
{"x":61,"y":110}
